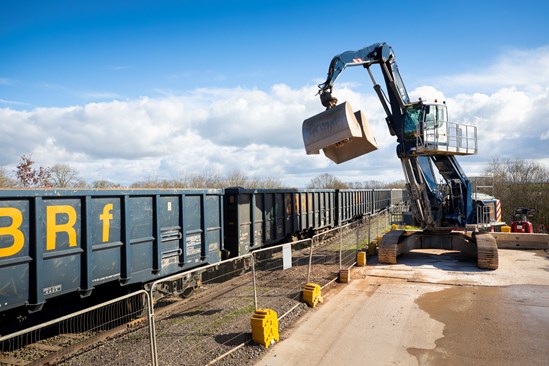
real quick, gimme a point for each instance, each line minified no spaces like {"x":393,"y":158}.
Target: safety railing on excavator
{"x":447,"y":138}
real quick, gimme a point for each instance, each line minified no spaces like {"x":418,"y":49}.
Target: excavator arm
{"x":378,"y":53}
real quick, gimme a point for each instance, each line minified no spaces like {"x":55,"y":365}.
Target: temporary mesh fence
{"x":280,"y":274}
{"x":213,"y":321}
{"x":51,"y":342}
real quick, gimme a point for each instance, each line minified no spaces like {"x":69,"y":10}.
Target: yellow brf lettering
{"x":106,"y":217}
{"x":52,"y":227}
{"x":13,"y":231}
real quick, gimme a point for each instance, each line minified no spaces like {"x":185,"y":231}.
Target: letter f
{"x":106,"y":217}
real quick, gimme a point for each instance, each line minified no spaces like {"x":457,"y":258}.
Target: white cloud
{"x":259,"y":131}
{"x":99,"y":95}
{"x":12,"y":102}
{"x":526,"y":69}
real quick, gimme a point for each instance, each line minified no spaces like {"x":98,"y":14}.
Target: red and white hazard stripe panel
{"x":498,"y":211}
{"x":357,"y":60}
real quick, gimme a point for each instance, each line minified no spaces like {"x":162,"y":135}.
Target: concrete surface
{"x":432,"y":308}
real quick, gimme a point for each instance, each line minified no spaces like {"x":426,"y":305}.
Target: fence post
{"x":340,"y":244}
{"x":254,"y":282}
{"x":310,"y":261}
{"x":152,"y":327}
{"x":358,"y":234}
{"x":369,"y":229}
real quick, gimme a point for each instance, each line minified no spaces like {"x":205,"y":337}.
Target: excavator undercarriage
{"x":482,"y":246}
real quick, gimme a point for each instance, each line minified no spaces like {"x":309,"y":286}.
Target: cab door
{"x":435,"y":118}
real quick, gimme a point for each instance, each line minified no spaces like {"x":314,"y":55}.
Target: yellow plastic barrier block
{"x":311,"y":294}
{"x":361,"y":259}
{"x":265,"y":327}
{"x":372,"y":249}
{"x":506,"y":229}
{"x":345,"y":276}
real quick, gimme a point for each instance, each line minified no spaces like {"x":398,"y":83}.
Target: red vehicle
{"x":521,"y":223}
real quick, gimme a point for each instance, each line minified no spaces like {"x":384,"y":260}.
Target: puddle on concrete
{"x":488,"y":326}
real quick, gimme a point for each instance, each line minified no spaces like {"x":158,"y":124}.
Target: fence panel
{"x":281,"y":273}
{"x":212,"y":322}
{"x":325,"y":258}
{"x":57,"y":341}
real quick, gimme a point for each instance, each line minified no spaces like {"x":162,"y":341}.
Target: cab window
{"x":435,"y":116}
{"x":430,"y":114}
{"x":441,"y":114}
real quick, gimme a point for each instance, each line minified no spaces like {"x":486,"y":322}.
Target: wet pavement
{"x":432,"y":308}
{"x":488,"y":326}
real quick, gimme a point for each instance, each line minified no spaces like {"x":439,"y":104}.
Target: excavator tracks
{"x":482,"y":246}
{"x":487,"y":251}
{"x":387,"y":251}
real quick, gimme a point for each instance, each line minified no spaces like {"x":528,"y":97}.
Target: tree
{"x":267,"y":182}
{"x":237,"y":179}
{"x":209,"y":180}
{"x":64,"y":176}
{"x":102,"y":184}
{"x":398,"y":184}
{"x":520,"y":183}
{"x":28,"y":176}
{"x":154,"y":182}
{"x":326,"y":181}
{"x":5,"y":180}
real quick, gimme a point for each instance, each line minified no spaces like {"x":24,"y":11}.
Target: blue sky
{"x":189,"y":72}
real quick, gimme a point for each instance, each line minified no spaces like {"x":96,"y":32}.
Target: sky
{"x":127,"y":91}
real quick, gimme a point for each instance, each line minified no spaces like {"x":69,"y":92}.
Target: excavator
{"x":426,"y":141}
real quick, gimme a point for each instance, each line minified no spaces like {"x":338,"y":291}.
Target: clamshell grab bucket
{"x":342,"y":134}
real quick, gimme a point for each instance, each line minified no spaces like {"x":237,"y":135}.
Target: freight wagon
{"x":255,"y":218}
{"x":65,"y":242}
{"x":354,"y":203}
{"x":54,"y":242}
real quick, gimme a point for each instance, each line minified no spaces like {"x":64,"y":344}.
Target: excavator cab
{"x":425,"y":122}
{"x":435,"y":134}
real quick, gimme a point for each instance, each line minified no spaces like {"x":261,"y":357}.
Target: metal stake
{"x":254,"y":282}
{"x":310,"y":261}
